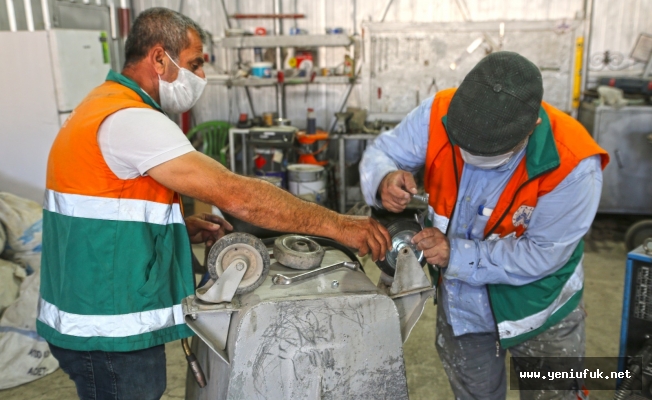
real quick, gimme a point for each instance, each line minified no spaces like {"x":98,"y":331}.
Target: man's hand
{"x":435,"y":246}
{"x":206,"y":228}
{"x":366,"y":235}
{"x":395,"y":189}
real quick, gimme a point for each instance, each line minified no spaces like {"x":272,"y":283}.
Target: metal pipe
{"x":11,"y":15}
{"x":226,"y":16}
{"x":389,"y":4}
{"x":588,"y":22}
{"x":112,"y":20}
{"x":346,"y":97}
{"x":355,"y":17}
{"x":342,"y":167}
{"x":279,"y":63}
{"x":228,"y":24}
{"x":45,"y":7}
{"x":29,"y":16}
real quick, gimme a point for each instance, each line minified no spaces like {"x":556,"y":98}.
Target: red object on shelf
{"x":301,"y":56}
{"x":260,"y":162}
{"x":260,"y":31}
{"x":268,"y":16}
{"x":185,"y":122}
{"x":280,"y":76}
{"x":124,"y":21}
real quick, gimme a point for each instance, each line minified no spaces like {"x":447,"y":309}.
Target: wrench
{"x":279,"y":279}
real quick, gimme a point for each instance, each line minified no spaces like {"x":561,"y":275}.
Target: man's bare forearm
{"x":252,"y":200}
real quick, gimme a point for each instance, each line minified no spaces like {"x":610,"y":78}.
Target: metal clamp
{"x":225,"y":287}
{"x":279,"y":279}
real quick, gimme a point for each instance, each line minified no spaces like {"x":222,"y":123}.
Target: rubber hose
{"x":623,"y":391}
{"x":322,"y":241}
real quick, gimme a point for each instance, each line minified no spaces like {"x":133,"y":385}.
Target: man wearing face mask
{"x":514,"y":185}
{"x":116,"y":252}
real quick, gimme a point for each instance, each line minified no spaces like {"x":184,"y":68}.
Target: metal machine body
{"x":623,"y":133}
{"x":332,"y":334}
{"x":636,"y":324}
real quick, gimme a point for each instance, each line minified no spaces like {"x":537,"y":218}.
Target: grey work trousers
{"x":475,"y":363}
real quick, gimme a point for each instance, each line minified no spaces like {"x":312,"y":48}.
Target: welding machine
{"x":636,"y":326}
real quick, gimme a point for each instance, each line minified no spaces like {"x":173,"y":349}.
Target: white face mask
{"x":179,"y":96}
{"x":492,"y":161}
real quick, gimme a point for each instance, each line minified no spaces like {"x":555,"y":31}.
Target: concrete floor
{"x":604,"y":266}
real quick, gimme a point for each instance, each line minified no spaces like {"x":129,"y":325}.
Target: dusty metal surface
{"x":313,"y":339}
{"x":623,"y":133}
{"x":280,"y":279}
{"x":299,"y":252}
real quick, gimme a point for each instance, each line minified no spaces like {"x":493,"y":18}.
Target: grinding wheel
{"x":298,"y":252}
{"x":401,"y":231}
{"x":240,"y":245}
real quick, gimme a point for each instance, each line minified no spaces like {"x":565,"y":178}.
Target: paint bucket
{"x":275,"y":178}
{"x":308,"y":182}
{"x":261,"y":69}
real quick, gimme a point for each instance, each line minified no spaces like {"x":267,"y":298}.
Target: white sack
{"x":24,"y":356}
{"x":23,"y":224}
{"x":11,"y":276}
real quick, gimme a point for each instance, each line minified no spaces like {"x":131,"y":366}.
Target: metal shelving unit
{"x":247,"y":42}
{"x":258,"y":82}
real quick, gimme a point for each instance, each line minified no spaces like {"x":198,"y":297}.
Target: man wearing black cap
{"x":514,"y":185}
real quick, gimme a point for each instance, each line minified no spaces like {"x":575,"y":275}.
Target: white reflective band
{"x":438,"y":221}
{"x":76,"y":205}
{"x":510,"y":329}
{"x":108,"y":325}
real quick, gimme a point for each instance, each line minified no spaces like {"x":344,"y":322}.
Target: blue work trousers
{"x":101,"y":375}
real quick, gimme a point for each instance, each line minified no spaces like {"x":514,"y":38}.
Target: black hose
{"x":623,"y":391}
{"x":323,"y":241}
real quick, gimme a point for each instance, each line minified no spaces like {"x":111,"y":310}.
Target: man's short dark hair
{"x":159,"y":26}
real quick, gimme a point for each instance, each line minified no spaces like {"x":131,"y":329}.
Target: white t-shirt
{"x":134,"y":140}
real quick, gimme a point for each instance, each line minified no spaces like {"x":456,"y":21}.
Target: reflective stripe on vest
{"x":112,"y":326}
{"x":75,"y":205}
{"x":511,"y":329}
{"x":555,"y":148}
{"x":116,"y":254}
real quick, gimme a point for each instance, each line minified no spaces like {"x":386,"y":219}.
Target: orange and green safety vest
{"x":116,"y":255}
{"x":555,"y":148}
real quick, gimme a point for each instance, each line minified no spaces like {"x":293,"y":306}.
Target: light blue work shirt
{"x":559,"y":221}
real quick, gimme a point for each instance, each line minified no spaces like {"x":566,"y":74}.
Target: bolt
{"x":193,"y":316}
{"x":335,"y":284}
{"x":239,"y":266}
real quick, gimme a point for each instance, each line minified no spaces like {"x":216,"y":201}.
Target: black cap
{"x":496,"y":106}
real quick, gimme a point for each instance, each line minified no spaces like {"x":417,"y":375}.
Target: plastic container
{"x":308,"y":182}
{"x":312,"y":122}
{"x":261,"y":69}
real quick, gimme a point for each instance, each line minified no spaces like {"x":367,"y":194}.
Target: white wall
{"x":616,"y":25}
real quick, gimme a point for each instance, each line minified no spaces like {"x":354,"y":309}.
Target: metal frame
{"x":342,"y":161}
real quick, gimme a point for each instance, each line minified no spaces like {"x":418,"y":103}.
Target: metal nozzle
{"x":422,"y":198}
{"x":194,"y":364}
